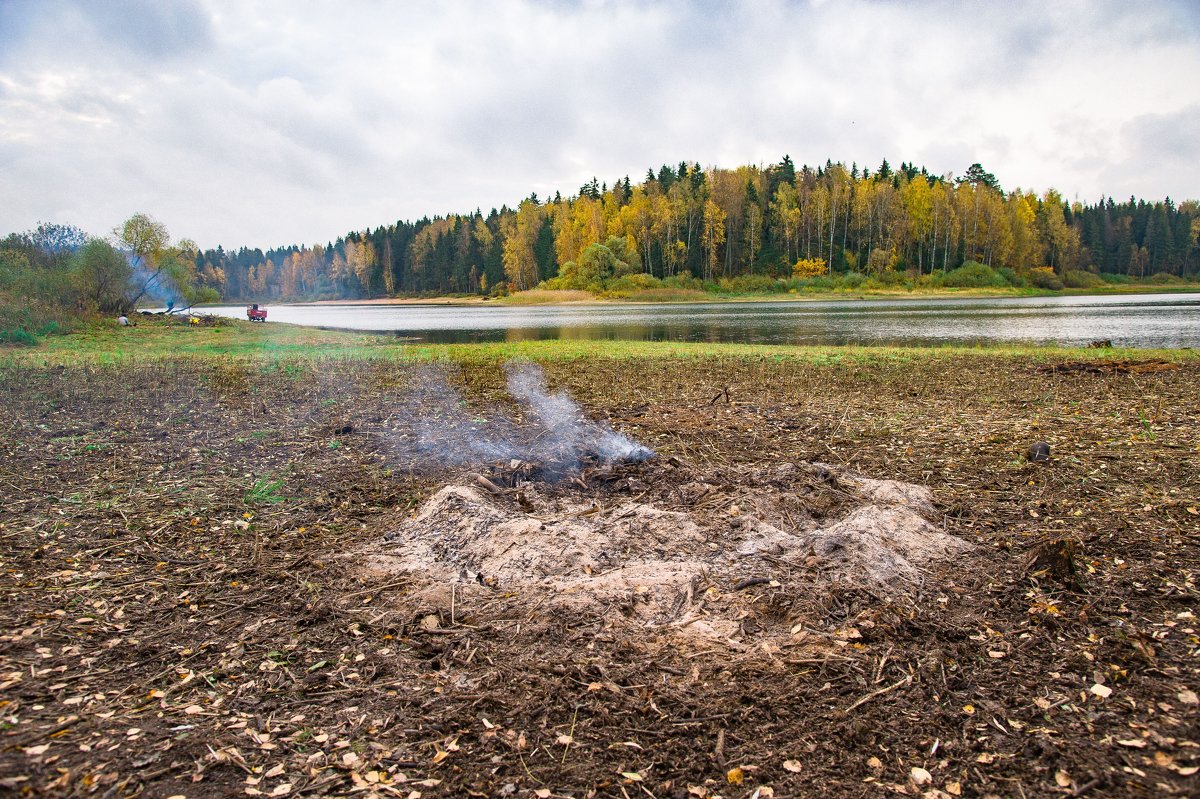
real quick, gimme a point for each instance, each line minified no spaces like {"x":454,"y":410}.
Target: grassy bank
{"x":163,"y":339}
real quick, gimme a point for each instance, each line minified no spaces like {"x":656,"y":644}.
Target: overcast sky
{"x":267,"y":123}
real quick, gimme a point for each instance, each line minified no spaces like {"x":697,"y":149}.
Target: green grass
{"x":281,"y":346}
{"x":265,"y":491}
{"x":151,"y":340}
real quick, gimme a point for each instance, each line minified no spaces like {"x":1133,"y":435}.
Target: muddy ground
{"x":179,"y":617}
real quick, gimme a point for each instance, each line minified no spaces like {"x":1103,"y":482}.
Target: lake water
{"x":1130,"y":320}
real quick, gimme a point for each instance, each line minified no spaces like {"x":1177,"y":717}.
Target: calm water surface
{"x":1144,"y":320}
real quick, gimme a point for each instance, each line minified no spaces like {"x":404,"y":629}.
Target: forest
{"x":748,"y":228}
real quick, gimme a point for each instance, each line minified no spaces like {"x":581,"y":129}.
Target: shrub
{"x":1079,"y":279}
{"x":18,"y":336}
{"x":749,"y":284}
{"x":818,"y":283}
{"x":850,"y":280}
{"x":1011,"y":277}
{"x":973,"y":275}
{"x":640,"y":280}
{"x":891,"y":278}
{"x":1165,"y":277}
{"x":23,"y":319}
{"x":629,"y":284}
{"x":684,"y":280}
{"x":1115,"y":279}
{"x":1043,"y":277}
{"x":881,"y":260}
{"x":808,"y":267}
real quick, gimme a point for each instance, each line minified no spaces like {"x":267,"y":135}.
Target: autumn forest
{"x":752,"y":227}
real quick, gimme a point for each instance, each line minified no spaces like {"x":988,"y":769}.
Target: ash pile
{"x":570,"y":516}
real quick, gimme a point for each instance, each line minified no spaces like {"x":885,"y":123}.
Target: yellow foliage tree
{"x":713,"y":237}
{"x":808,"y":267}
{"x":521,"y":233}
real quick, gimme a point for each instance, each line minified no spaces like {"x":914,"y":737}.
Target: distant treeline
{"x":725,"y":223}
{"x":720,"y":223}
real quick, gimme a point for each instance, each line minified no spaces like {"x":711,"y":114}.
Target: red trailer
{"x":256,"y":314}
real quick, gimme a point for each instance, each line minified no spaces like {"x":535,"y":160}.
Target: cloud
{"x":1159,"y":149}
{"x":281,"y":122}
{"x":137,"y":31}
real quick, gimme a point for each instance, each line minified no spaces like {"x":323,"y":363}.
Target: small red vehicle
{"x":256,"y":314}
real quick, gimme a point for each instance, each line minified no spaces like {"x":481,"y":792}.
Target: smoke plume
{"x":436,"y":426}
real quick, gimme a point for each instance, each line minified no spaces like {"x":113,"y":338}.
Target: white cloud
{"x":280,"y":122}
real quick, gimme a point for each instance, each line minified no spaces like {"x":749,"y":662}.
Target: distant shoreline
{"x":538,"y":297}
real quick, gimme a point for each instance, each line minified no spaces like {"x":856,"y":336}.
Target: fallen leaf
{"x":996,"y":654}
{"x":954,"y":788}
{"x":632,"y":775}
{"x":735,"y":775}
{"x":985,"y":758}
{"x":969,"y":710}
{"x":275,"y":771}
{"x":792,"y":766}
{"x":920,"y":776}
{"x":542,"y":793}
{"x":1186,"y":771}
{"x":1062,"y":778}
{"x":1133,"y":743}
{"x":1188,"y":697}
{"x":564,"y":740}
{"x":193,"y":710}
{"x":874,"y":763}
{"x":1102,"y":691}
{"x":34,"y":751}
{"x":762,"y":792}
{"x":1163,"y":759}
{"x":283,"y":789}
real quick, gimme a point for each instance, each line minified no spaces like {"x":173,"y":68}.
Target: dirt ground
{"x":180,"y":617}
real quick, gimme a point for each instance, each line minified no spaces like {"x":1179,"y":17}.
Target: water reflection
{"x":1148,"y":320}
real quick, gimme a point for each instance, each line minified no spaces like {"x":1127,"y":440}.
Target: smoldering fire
{"x":556,"y":433}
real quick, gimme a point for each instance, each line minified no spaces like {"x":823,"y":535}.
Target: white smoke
{"x":435,"y":425}
{"x":571,"y":435}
